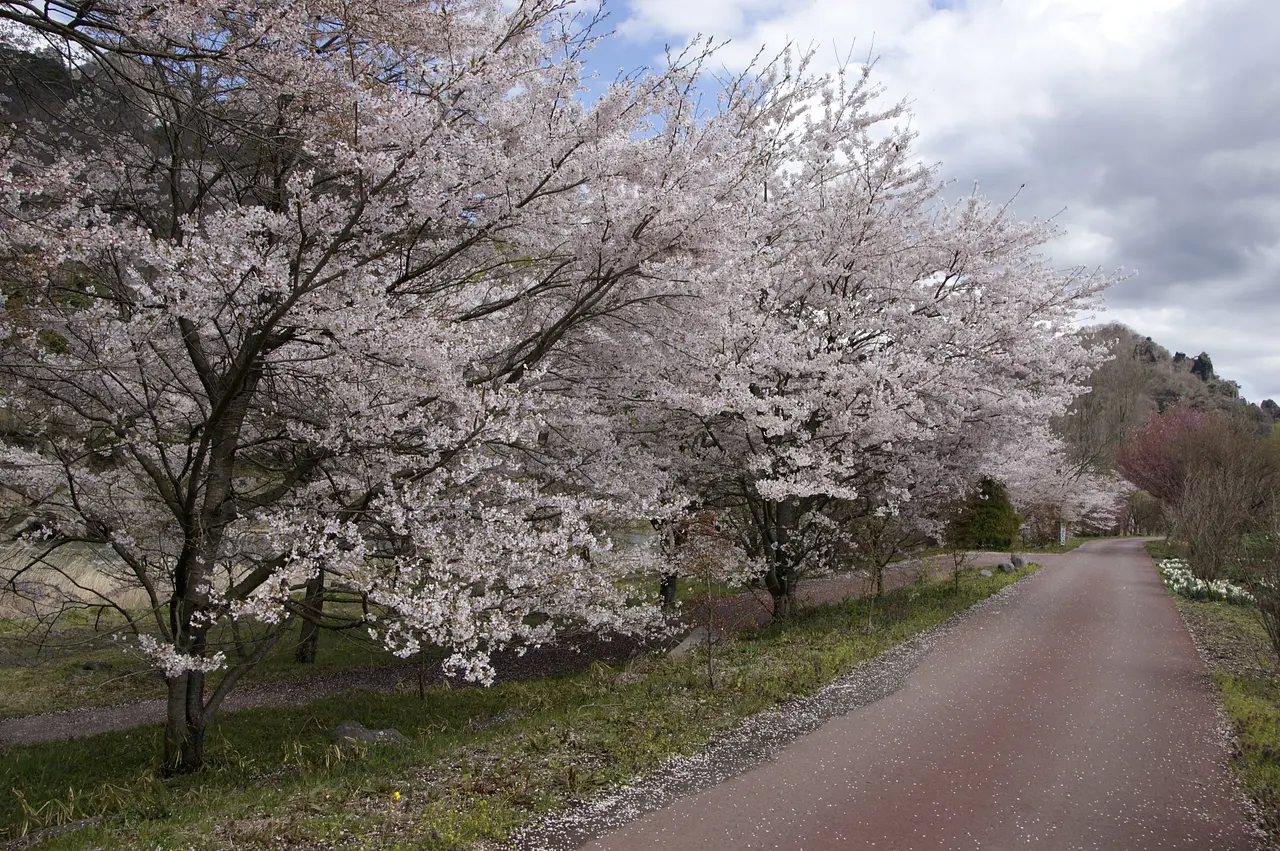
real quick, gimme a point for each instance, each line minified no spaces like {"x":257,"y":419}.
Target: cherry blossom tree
{"x":865,"y":338}
{"x":372,"y":296}
{"x":1050,"y":484}
{"x":300,"y":300}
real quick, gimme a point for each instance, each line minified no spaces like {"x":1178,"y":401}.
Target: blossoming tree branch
{"x":373,"y":300}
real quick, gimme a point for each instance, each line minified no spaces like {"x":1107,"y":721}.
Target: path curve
{"x":1077,"y":717}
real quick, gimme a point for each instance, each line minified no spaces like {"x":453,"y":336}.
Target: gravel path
{"x":741,"y":612}
{"x":1070,"y":713}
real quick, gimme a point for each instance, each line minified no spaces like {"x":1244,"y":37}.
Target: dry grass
{"x":39,"y":584}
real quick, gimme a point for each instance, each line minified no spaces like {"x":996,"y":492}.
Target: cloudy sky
{"x":1149,"y":128}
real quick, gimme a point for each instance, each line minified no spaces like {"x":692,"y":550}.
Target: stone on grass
{"x":635,"y":671}
{"x":1018,"y":561}
{"x":1005,"y":567}
{"x":350,"y":733}
{"x":501,"y":718}
{"x":984,"y":573}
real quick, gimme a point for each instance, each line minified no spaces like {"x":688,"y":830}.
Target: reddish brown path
{"x":1077,"y":716}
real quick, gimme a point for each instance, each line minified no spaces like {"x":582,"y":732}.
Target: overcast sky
{"x":1150,"y":128}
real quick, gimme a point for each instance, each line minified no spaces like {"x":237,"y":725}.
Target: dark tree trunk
{"x":673,"y":535}
{"x":668,"y":589}
{"x":186,"y":711}
{"x":309,"y":637}
{"x":782,"y":576}
{"x":781,"y":582}
{"x":784,"y":605}
{"x":185,"y":724}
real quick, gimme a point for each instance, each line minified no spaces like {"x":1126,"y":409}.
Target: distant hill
{"x":1143,"y":378}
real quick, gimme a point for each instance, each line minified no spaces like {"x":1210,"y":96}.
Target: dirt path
{"x":754,"y":610}
{"x":562,"y":658}
{"x":1076,"y":716}
{"x":744,"y":611}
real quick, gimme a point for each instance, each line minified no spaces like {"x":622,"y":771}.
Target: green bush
{"x":986,"y":521}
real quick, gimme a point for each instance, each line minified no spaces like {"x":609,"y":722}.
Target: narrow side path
{"x":1078,"y":717}
{"x":564,"y":657}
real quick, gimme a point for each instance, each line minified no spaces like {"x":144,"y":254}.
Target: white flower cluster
{"x":1179,"y":579}
{"x":175,"y":664}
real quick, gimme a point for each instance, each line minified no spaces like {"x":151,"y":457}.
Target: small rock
{"x":635,"y":671}
{"x":985,"y":573}
{"x":353,"y":732}
{"x":1004,"y":567}
{"x":626,"y":678}
{"x":501,"y":718}
{"x":1018,"y":561}
{"x":96,"y":665}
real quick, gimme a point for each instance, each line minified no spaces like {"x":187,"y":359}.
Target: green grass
{"x":1160,"y":549}
{"x":1024,"y":549}
{"x":1248,"y":681}
{"x":273,"y":779}
{"x":1254,"y":708}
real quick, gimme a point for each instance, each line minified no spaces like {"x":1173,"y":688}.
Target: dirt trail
{"x":1077,"y":716}
{"x":743,"y":611}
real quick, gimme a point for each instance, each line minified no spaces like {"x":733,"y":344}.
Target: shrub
{"x":987,"y":521}
{"x":1263,"y":558}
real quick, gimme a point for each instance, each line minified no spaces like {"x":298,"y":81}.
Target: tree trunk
{"x":781,"y":582}
{"x":667,"y":590}
{"x":184,"y":724}
{"x":784,"y":605}
{"x":309,"y":637}
{"x":781,"y":577}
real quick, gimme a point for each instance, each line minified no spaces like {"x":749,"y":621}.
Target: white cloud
{"x":1149,"y":128}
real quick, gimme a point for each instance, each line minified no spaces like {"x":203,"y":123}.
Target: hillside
{"x":1143,"y":378}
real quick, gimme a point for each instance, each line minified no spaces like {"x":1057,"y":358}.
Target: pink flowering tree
{"x":1161,"y":455}
{"x":863,"y":339}
{"x":291,"y":292}
{"x":1048,"y":488}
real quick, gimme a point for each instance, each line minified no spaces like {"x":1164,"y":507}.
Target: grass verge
{"x":1253,"y":704}
{"x":274,"y":781}
{"x":1235,"y":647}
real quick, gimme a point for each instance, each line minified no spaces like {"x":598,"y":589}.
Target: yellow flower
{"x":395,"y":796}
